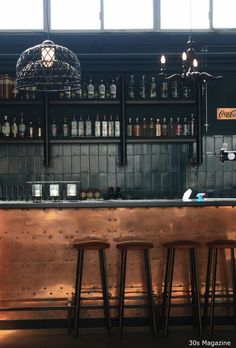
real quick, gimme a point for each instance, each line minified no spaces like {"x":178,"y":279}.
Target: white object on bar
{"x":186,"y":195}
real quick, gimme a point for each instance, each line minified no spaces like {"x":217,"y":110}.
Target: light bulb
{"x":184,"y":56}
{"x":163,"y":60}
{"x":195,"y":63}
{"x":48,"y":54}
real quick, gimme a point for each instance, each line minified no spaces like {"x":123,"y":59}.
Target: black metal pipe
{"x":46,"y":130}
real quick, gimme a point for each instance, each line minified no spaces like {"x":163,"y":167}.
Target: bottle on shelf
{"x":90,"y":89}
{"x":171,"y":128}
{"x":186,"y":127}
{"x":30,"y":130}
{"x":153,"y":88}
{"x":144,"y":128}
{"x":129,"y":128}
{"x":74,"y":127}
{"x":164,"y":89}
{"x":95,"y":90}
{"x":151,"y":128}
{"x":97,"y":127}
{"x":174,"y":89}
{"x":104,"y":126}
{"x":164,"y":127}
{"x":137,"y":128}
{"x":39,"y":129}
{"x":117,"y":126}
{"x":101,"y":90}
{"x":14,"y":128}
{"x":186,"y":90}
{"x":108,"y":94}
{"x":88,"y":127}
{"x":81,"y":127}
{"x":6,"y":127}
{"x":131,"y":87}
{"x":84,"y":91}
{"x":192,"y":125}
{"x":22,"y":126}
{"x":142,"y":87}
{"x":178,"y":128}
{"x":158,"y":128}
{"x":65,"y":128}
{"x":110,"y":127}
{"x":54,"y":129}
{"x":113,"y":89}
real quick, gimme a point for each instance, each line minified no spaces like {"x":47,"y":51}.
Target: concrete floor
{"x":139,"y":337}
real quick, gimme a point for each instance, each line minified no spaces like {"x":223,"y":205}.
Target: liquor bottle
{"x":164,"y":128}
{"x":178,"y":128}
{"x":53,"y":129}
{"x":113,"y":89}
{"x":81,"y":127}
{"x":131,"y":87}
{"x":171,"y":128}
{"x":65,"y":128}
{"x":186,"y":90}
{"x":158,"y":128}
{"x":144,"y":128}
{"x":88,"y":127}
{"x":129,"y":128}
{"x":137,"y":128}
{"x":153,"y":88}
{"x":104,"y":126}
{"x":192,"y":125}
{"x":14,"y":128}
{"x":117,"y":126}
{"x":108,"y":94}
{"x":22,"y":127}
{"x":174,"y":89}
{"x":30,"y":130}
{"x":95,"y":90}
{"x":6,"y":127}
{"x":84,"y":91}
{"x":142,"y":87}
{"x":97,"y":130}
{"x":151,"y":131}
{"x":185,"y":127}
{"x":74,"y":127}
{"x":164,"y":90}
{"x":101,"y":90}
{"x":90,"y":89}
{"x":39,"y":130}
{"x":110,"y":127}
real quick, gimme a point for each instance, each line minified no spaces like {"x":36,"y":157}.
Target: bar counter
{"x":38,"y":262}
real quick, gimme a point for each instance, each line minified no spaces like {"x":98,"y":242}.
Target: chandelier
{"x":48,"y":68}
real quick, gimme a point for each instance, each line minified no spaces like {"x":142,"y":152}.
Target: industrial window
{"x":184,"y":14}
{"x":75,"y":14}
{"x":21,"y":15}
{"x":128,"y":14}
{"x":224,"y":14}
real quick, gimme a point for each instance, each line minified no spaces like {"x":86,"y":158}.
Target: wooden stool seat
{"x":185,"y":244}
{"x":135,"y":245}
{"x":191,"y":247}
{"x":81,"y":246}
{"x":91,"y":244}
{"x":222,"y":244}
{"x":124,"y":247}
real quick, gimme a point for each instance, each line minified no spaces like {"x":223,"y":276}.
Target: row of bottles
{"x":18,"y":128}
{"x":102,"y":126}
{"x":161,"y":127}
{"x":141,"y":87}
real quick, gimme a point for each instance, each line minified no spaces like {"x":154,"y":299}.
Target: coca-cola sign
{"x":226,"y":113}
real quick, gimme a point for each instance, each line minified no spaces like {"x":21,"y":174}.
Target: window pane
{"x":75,"y":14}
{"x":21,"y":14}
{"x":184,"y":14}
{"x":224,"y":14}
{"x":128,"y":14}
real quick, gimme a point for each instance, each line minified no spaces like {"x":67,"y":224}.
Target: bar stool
{"x":124,"y":247}
{"x":191,"y":247}
{"x":213,"y":248}
{"x":100,"y":246}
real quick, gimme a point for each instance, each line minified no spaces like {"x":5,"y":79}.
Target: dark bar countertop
{"x":126,"y":203}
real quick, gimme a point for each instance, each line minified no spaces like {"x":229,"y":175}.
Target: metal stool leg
{"x":213,"y":290}
{"x":197,"y":290}
{"x":193,"y":289}
{"x":105,"y":290}
{"x":167,"y":271}
{"x":122,"y":290}
{"x":207,"y":289}
{"x":149,"y":291}
{"x":78,"y":289}
{"x":169,"y":290}
{"x":233,"y":282}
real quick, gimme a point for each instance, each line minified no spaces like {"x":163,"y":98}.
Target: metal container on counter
{"x":71,"y":190}
{"x":37,"y":191}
